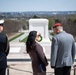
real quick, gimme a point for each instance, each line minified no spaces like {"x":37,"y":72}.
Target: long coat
{"x":62,"y":50}
{"x":38,"y":50}
{"x":4,"y":50}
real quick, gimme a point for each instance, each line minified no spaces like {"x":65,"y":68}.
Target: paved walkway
{"x":20,"y":62}
{"x":23,"y":67}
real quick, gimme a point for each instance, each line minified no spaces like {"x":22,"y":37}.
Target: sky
{"x":37,"y":5}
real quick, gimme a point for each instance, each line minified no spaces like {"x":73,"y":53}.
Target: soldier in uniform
{"x":62,"y":51}
{"x":4,"y":49}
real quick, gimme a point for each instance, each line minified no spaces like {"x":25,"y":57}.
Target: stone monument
{"x":40,"y":25}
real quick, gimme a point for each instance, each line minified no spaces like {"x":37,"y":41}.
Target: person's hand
{"x":47,"y":64}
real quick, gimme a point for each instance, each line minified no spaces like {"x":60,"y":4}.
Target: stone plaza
{"x":19,"y":61}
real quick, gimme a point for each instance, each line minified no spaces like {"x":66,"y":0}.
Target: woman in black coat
{"x":35,"y":50}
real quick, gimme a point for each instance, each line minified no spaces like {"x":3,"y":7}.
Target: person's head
{"x":31,"y":40}
{"x":1,"y":25}
{"x":57,"y":28}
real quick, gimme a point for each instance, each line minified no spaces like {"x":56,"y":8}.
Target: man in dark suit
{"x":62,"y":51}
{"x":4,"y":49}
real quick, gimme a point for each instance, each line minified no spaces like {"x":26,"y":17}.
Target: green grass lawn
{"x":24,"y":40}
{"x":15,"y":37}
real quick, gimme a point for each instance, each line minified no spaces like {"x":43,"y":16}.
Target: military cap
{"x":1,"y":22}
{"x":57,"y":24}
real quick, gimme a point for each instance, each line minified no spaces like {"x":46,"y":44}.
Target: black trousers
{"x":3,"y":71}
{"x":63,"y":71}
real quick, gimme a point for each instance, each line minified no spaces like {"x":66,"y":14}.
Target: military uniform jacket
{"x":4,"y":50}
{"x":62,"y":50}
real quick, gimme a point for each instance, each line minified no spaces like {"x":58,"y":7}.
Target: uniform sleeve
{"x":54,"y":49}
{"x":7,"y":47}
{"x":73,"y":51}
